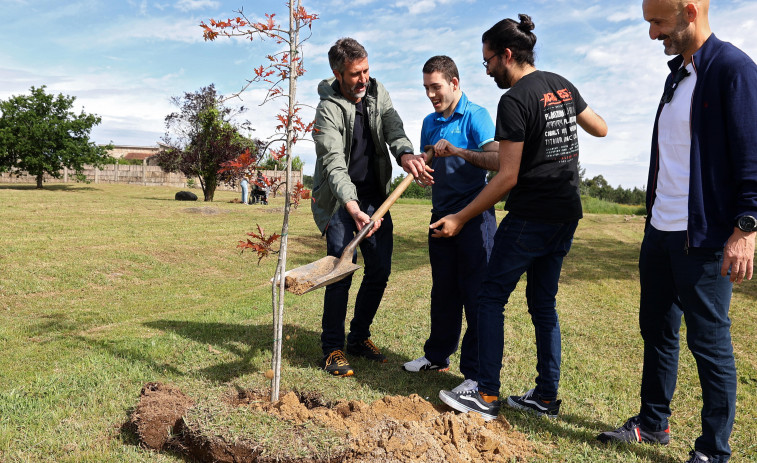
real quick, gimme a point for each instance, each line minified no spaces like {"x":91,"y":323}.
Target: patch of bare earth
{"x":205,"y":210}
{"x":161,"y":408}
{"x":392,"y":429}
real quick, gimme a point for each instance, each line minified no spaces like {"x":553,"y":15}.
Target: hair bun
{"x":526,"y":24}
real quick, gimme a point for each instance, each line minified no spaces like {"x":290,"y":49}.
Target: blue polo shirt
{"x":457,"y":182}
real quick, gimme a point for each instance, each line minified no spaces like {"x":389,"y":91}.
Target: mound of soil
{"x":161,"y":408}
{"x":394,"y":429}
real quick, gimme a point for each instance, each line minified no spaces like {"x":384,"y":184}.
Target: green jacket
{"x":334,"y":121}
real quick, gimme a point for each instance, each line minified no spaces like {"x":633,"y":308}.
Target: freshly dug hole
{"x":301,"y":427}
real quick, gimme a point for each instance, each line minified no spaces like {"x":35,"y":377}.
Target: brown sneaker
{"x":336,"y":364}
{"x":366,"y":348}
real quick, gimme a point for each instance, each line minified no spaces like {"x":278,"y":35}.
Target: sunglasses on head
{"x":667,"y":95}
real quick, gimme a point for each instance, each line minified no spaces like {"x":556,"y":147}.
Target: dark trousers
{"x":537,"y":249}
{"x":377,"y":257}
{"x":458,"y":265}
{"x":677,"y":282}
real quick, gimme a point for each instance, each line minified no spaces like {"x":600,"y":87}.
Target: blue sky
{"x":124,"y":59}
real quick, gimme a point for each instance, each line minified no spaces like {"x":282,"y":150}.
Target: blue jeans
{"x":458,"y":265}
{"x":245,"y":191}
{"x":537,"y":249}
{"x":677,"y":282}
{"x":377,"y":257}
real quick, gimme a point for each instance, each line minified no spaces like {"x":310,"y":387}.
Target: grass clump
{"x":277,"y":438}
{"x":593,"y":205}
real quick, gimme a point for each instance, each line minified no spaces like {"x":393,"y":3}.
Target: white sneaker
{"x":467,"y":385}
{"x":423,"y":363}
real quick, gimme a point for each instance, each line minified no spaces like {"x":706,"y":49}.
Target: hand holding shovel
{"x":331,"y":269}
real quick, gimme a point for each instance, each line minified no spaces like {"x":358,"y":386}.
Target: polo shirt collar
{"x":462,"y":104}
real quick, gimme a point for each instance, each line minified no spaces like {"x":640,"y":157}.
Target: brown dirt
{"x":205,"y":210}
{"x":297,"y":287}
{"x":394,"y":429}
{"x":161,"y":408}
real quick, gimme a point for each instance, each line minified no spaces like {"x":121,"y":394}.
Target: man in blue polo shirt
{"x":462,"y":134}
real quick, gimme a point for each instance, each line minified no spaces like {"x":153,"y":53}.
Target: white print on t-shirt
{"x":560,"y":135}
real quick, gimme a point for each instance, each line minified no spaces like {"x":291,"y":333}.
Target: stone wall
{"x":138,"y":175}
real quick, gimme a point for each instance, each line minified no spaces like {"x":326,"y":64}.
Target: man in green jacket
{"x":354,"y":123}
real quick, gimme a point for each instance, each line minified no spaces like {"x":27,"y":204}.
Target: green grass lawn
{"x":106,"y":287}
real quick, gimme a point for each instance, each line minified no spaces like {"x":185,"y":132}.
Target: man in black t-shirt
{"x":538,"y":166}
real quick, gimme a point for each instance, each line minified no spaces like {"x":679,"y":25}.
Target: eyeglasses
{"x":667,"y":95}
{"x":486,"y":60}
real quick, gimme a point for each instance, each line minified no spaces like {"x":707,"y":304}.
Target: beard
{"x":502,"y":77}
{"x":679,"y":39}
{"x":353,"y":91}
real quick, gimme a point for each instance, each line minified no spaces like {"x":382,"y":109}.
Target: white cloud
{"x":426,"y":7}
{"x":631,"y":13}
{"x":188,"y":5}
{"x":186,"y":30}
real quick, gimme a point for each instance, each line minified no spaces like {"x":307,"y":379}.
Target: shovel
{"x":331,"y":269}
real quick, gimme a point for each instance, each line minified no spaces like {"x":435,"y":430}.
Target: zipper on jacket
{"x":691,"y":137}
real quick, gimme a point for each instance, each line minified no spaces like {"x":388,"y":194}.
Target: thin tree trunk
{"x":278,"y":302}
{"x":202,"y":185}
{"x":39,"y":181}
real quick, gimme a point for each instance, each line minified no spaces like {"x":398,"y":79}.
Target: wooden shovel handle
{"x":398,"y":191}
{"x":347,"y":253}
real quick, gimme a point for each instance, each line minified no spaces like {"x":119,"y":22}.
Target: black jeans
{"x":677,"y":282}
{"x":377,"y":257}
{"x":537,"y":249}
{"x":458,"y":265}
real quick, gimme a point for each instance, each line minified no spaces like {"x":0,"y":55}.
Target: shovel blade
{"x":317,"y":274}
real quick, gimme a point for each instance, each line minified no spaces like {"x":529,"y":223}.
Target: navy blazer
{"x":723,"y":178}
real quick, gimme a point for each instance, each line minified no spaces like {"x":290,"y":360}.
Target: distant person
{"x":700,"y":232}
{"x":459,"y":130}
{"x":245,"y":189}
{"x":354,"y":123}
{"x":538,"y":167}
{"x":260,"y":190}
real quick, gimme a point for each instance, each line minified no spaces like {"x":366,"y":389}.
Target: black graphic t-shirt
{"x":540,"y":111}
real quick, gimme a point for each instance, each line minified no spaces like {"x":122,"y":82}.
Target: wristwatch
{"x":747,"y":223}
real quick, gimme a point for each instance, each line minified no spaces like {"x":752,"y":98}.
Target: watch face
{"x":747,"y":223}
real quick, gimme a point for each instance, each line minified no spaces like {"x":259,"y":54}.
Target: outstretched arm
{"x":592,"y":123}
{"x":510,"y":154}
{"x":487,"y":158}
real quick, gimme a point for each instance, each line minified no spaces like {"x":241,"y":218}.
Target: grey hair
{"x":344,"y":50}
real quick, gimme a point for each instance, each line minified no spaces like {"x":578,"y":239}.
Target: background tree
{"x":270,"y":163}
{"x":283,"y":67}
{"x":412,"y":191}
{"x":243,"y":166}
{"x":232,"y":172}
{"x":201,"y":137}
{"x":598,"y":187}
{"x":40,"y":134}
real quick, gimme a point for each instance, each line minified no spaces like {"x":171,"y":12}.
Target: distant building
{"x":137,"y":153}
